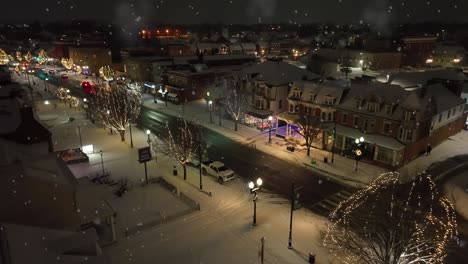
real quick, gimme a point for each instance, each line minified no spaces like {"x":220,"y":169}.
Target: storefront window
{"x":385,"y":155}
{"x":338,"y":141}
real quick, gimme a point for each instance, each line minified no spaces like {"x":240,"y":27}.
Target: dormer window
{"x":358,"y":103}
{"x":388,"y":109}
{"x":312,"y":97}
{"x":328,"y":100}
{"x":296,"y":94}
{"x":373,"y":107}
{"x":410,"y":116}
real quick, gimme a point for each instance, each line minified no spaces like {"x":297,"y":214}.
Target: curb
{"x":333,"y":177}
{"x":327,"y":175}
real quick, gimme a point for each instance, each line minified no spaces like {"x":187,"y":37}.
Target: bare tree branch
{"x":392,"y":223}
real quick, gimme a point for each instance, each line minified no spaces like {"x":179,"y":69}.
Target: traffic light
{"x":333,"y":133}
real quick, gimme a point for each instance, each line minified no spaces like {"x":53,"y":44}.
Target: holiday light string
{"x":373,"y":226}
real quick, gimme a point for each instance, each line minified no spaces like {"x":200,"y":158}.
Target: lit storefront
{"x":258,"y":118}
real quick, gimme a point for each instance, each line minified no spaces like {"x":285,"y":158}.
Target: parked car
{"x":52,"y":71}
{"x":64,"y":76}
{"x":217,"y":169}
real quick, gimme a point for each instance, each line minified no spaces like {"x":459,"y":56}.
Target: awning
{"x":379,"y":140}
{"x":259,"y":113}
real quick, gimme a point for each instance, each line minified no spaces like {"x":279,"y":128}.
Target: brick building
{"x":397,"y":124}
{"x":416,"y":50}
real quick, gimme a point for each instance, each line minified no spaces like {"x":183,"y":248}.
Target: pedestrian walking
{"x":428,"y":149}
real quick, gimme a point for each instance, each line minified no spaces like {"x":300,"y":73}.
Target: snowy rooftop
{"x":45,"y":246}
{"x":413,"y":79}
{"x":35,"y":188}
{"x":279,"y":73}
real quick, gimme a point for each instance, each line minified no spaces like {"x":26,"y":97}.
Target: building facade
{"x":397,"y":124}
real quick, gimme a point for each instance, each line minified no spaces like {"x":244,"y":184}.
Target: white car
{"x":218,"y":170}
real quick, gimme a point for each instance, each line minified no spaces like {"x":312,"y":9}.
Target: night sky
{"x":237,"y":11}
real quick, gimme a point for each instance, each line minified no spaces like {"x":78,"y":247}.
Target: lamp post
{"x":358,"y":151}
{"x":131,"y":136}
{"x":45,"y":84}
{"x":208,"y":100}
{"x":200,"y":157}
{"x":254,"y":187}
{"x":294,"y":201}
{"x":102,"y":163}
{"x":79,"y":133}
{"x":270,"y":123}
{"x":148,"y":133}
{"x":85,"y":106}
{"x":210,"y":108}
{"x":334,"y":140}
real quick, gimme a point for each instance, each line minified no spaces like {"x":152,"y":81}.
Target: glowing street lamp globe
{"x":251,"y":185}
{"x":148,"y":132}
{"x":259,"y":181}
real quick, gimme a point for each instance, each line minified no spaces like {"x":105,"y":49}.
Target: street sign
{"x":144,"y":154}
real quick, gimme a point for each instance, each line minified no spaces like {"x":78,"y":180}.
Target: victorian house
{"x":268,"y":85}
{"x":310,"y":99}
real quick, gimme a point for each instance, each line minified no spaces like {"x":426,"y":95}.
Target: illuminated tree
{"x":309,"y":129}
{"x":107,"y":73}
{"x":67,"y":63}
{"x":116,"y":107}
{"x":19,"y":56}
{"x":392,"y":223}
{"x":28,"y":57}
{"x":235,"y":100}
{"x":42,"y":57}
{"x":181,"y":140}
{"x":3,"y":57}
{"x":61,"y":93}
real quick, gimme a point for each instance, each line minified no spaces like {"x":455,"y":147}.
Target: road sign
{"x":144,"y":154}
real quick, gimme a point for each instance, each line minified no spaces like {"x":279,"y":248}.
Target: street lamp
{"x":85,"y":106}
{"x":358,"y":151}
{"x":154,"y":93}
{"x":208,"y":100}
{"x":45,"y":84}
{"x":270,"y":119}
{"x":254,"y":187}
{"x":210,"y":107}
{"x":148,"y":132}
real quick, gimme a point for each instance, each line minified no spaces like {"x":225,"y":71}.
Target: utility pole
{"x":262,"y":252}
{"x":79,"y":133}
{"x":200,"y":157}
{"x":294,"y":197}
{"x":334,"y":140}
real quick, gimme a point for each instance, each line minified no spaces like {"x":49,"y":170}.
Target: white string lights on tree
{"x":389,"y":222}
{"x":180,"y":139}
{"x":107,"y":73}
{"x":42,"y":57}
{"x":3,"y":57}
{"x":235,"y":100}
{"x":28,"y":57}
{"x":19,"y":56}
{"x":116,"y":107}
{"x":67,"y":63}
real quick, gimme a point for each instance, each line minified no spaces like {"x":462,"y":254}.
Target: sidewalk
{"x":341,"y":170}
